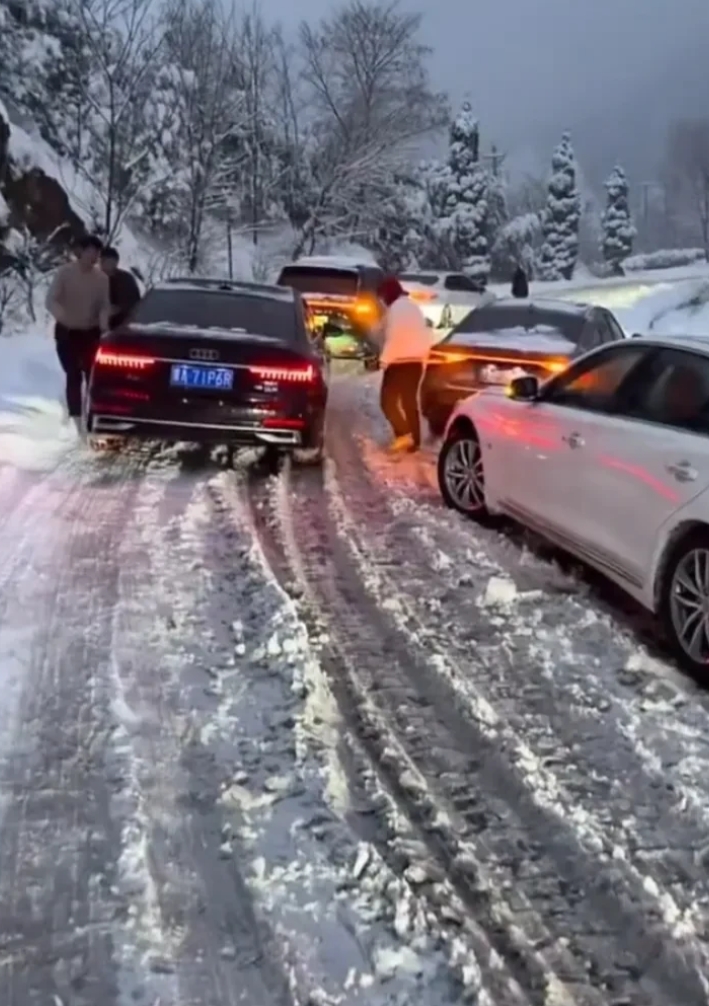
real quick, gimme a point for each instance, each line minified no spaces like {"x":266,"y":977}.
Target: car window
{"x":458,"y":281}
{"x":426,"y":279}
{"x":595,"y":384}
{"x":675,"y":392}
{"x":615,"y":329}
{"x":314,"y":279}
{"x":372,"y":276}
{"x":593,"y":336}
{"x":211,"y":309}
{"x":522,"y":321}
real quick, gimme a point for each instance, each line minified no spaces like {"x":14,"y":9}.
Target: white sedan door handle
{"x":682,"y":471}
{"x":573,"y":440}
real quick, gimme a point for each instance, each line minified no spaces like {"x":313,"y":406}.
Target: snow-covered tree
{"x":518,"y":243}
{"x":561,"y":216}
{"x":399,"y":238}
{"x":618,"y":229}
{"x":365,"y":99}
{"x":497,"y":220}
{"x":459,"y":192}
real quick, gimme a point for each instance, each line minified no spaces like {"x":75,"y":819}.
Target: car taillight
{"x":123,"y":361}
{"x":366,"y":309}
{"x":286,"y":375}
{"x":556,"y":366}
{"x":422,"y":296}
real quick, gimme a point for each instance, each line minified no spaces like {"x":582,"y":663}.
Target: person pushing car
{"x":407,"y":342}
{"x":78,"y":299}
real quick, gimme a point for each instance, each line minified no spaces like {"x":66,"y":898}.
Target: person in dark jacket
{"x":520,"y":286}
{"x":124,"y":290}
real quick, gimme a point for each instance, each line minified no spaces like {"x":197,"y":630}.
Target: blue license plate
{"x":183,"y":375}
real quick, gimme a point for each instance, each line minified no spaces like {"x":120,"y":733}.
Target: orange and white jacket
{"x":407,"y":337}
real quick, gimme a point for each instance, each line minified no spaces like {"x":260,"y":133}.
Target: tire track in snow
{"x":390,"y":713}
{"x":58,"y":844}
{"x":197,"y":919}
{"x":377,"y":760}
{"x":425,"y":897}
{"x":361,"y":632}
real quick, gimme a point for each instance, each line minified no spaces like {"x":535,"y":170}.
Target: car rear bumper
{"x":286,"y":435}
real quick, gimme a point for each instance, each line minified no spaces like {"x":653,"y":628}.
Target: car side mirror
{"x":523,"y":389}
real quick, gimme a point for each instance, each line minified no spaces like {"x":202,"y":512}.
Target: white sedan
{"x":445,"y":298}
{"x":608,"y":460}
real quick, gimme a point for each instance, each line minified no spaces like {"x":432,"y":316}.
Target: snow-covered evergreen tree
{"x":399,"y":239}
{"x":460,"y":194}
{"x":561,"y":216}
{"x":618,"y":229}
{"x":497,"y":220}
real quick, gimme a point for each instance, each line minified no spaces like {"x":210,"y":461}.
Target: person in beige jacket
{"x":78,"y":299}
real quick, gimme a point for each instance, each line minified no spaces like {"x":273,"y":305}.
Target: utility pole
{"x":495,"y":159}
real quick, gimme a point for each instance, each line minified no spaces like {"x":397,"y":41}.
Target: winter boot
{"x":400,"y":444}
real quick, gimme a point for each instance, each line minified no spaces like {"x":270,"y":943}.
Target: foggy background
{"x":614,"y":72}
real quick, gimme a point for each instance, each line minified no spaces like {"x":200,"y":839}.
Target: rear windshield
{"x":426,"y":279}
{"x":211,"y":309}
{"x":516,"y":322}
{"x":340,"y":282}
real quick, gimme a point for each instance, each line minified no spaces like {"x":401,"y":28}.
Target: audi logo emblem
{"x":204,"y":354}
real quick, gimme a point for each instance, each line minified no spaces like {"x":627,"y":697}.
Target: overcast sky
{"x":612,"y":71}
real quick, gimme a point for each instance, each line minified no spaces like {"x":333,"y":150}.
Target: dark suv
{"x":341,"y":297}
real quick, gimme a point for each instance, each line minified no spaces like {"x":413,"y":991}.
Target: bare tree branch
{"x":124,"y":42}
{"x":368,"y":104}
{"x":213,"y":111}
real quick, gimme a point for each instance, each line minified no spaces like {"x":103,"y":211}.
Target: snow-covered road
{"x":311,"y":738}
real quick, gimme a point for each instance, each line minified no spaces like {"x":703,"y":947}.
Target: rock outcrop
{"x":36,"y":203}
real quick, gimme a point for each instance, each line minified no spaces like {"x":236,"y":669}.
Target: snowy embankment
{"x":33,"y":434}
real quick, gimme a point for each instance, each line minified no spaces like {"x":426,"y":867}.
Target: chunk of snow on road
{"x":388,"y":961}
{"x":499,"y":592}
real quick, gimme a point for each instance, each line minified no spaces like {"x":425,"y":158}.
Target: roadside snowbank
{"x":650,"y":314}
{"x":689,"y":317}
{"x":32,"y":433}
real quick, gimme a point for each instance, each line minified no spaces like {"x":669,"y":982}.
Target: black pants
{"x":399,"y":399}
{"x":76,"y":349}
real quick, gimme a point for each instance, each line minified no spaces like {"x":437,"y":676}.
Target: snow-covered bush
{"x":618,"y":229}
{"x":518,"y":243}
{"x":666,"y":258}
{"x":562,"y":213}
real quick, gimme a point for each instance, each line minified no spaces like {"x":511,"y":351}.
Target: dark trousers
{"x":399,"y":399}
{"x":76,"y":349}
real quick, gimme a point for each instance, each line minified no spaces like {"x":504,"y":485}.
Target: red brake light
{"x":287,"y":375}
{"x":126,"y":361}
